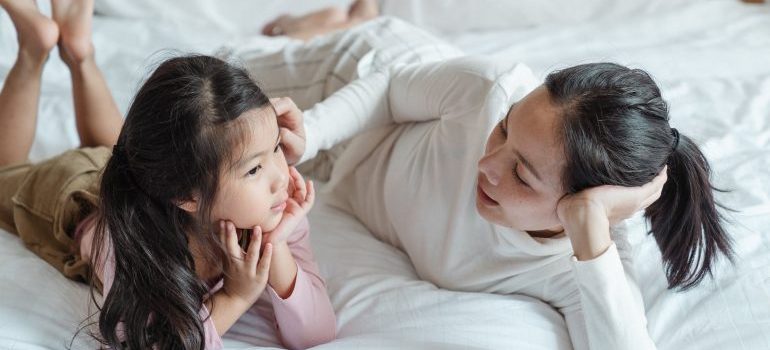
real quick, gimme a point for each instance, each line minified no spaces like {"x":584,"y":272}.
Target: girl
{"x":191,"y":216}
{"x":491,"y":181}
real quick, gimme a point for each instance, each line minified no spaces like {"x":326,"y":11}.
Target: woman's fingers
{"x":654,"y":188}
{"x":291,"y":143}
{"x":289,"y":115}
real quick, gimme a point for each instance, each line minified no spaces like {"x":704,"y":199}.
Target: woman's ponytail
{"x":616,"y":132}
{"x":685,"y":221}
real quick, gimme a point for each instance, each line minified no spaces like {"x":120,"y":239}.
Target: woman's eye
{"x":518,"y":178}
{"x":277,"y":148}
{"x":254,"y":170}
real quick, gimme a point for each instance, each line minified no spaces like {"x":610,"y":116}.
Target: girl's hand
{"x":291,"y":128}
{"x":616,"y":203}
{"x":245,"y":272}
{"x":301,"y":199}
{"x":587,"y":215}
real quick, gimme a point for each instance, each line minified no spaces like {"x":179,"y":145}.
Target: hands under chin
{"x":301,"y":199}
{"x":283,"y":270}
{"x":588,"y":214}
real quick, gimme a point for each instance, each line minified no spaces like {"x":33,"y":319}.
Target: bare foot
{"x":36,"y":33}
{"x":74,"y":19}
{"x":363,"y":10}
{"x":322,"y":21}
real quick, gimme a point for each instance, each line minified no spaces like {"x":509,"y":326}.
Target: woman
{"x":492,"y":182}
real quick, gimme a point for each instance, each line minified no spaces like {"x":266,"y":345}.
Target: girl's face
{"x":254,"y":190}
{"x":519,"y":181}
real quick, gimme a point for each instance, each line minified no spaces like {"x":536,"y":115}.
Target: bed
{"x":711,"y":59}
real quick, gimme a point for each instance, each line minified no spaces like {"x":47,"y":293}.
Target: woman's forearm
{"x":589,"y":231}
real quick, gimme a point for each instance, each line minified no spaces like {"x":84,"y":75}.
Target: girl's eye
{"x":277,"y":148}
{"x":254,"y":170}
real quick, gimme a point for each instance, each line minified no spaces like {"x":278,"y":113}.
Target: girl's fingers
{"x":252,"y":254}
{"x":232,"y":241}
{"x":263,"y":268}
{"x":223,"y":235}
{"x":299,"y":185}
{"x":310,"y":198}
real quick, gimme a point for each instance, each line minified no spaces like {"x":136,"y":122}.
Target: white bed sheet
{"x":711,"y":60}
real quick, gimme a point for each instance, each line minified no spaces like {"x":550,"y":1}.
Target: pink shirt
{"x":304,"y":319}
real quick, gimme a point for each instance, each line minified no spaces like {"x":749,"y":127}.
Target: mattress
{"x":709,"y":57}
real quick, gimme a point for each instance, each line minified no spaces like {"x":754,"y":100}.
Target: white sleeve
{"x":612,"y":313}
{"x":357,"y":107}
{"x":448,"y":89}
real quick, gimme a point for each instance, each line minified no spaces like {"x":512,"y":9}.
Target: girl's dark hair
{"x":178,"y":137}
{"x":616,"y":132}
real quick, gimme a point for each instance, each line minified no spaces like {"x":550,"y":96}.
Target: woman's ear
{"x":188,"y":205}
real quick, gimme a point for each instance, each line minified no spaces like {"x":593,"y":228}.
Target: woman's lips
{"x":484,"y":197}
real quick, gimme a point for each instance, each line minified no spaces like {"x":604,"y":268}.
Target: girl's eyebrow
{"x":245,"y":160}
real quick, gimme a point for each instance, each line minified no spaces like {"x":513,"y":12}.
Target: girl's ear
{"x":188,"y":205}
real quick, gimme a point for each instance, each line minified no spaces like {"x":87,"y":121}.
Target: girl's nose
{"x":280,"y":179}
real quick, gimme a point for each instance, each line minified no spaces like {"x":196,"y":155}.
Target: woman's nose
{"x":488,"y":165}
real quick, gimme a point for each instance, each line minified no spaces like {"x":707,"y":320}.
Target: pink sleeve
{"x":306,"y":318}
{"x":106,"y":273}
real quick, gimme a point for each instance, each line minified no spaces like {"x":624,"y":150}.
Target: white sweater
{"x":410,"y":175}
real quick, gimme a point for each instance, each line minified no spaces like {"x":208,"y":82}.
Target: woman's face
{"x":519,"y":180}
{"x":254,"y":191}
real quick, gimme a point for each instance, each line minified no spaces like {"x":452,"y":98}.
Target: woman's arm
{"x":451,"y":89}
{"x":611,"y":313}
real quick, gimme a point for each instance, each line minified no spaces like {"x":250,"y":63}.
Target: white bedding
{"x":710,"y":58}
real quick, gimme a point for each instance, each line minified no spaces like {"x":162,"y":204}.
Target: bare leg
{"x":21,"y":92}
{"x":322,"y":21}
{"x":97,"y":116}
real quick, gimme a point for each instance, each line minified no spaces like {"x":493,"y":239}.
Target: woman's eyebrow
{"x":528,"y":165}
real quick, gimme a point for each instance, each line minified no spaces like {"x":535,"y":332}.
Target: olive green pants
{"x":43,"y":203}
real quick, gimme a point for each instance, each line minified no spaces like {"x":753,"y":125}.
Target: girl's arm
{"x":305,"y":318}
{"x":303,"y":312}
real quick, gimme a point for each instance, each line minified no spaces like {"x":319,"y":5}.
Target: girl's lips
{"x":279,"y":207}
{"x":484,"y":197}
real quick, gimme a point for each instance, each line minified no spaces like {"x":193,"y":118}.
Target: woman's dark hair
{"x":616,"y":131}
{"x":178,"y":137}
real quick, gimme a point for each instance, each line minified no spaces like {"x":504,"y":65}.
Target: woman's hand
{"x":301,"y":199}
{"x":587,"y":215}
{"x":291,"y":128}
{"x":246,"y":273}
